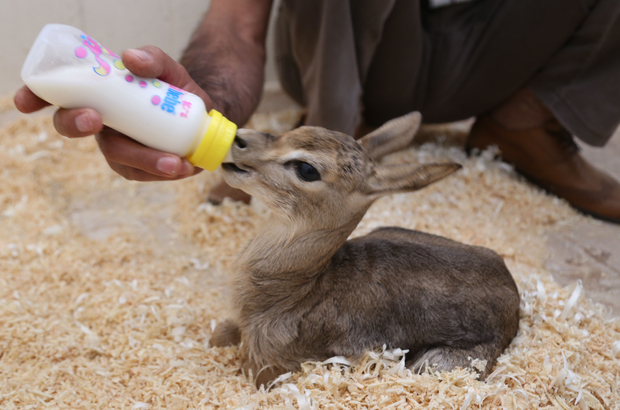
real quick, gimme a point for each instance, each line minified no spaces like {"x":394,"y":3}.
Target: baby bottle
{"x":67,"y":68}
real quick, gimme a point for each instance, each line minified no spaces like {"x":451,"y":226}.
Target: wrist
{"x":226,"y":55}
{"x":229,"y":70}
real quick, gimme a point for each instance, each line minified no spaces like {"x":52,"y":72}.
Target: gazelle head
{"x":321,"y":179}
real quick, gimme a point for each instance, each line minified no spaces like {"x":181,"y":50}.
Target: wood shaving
{"x":125,"y":321}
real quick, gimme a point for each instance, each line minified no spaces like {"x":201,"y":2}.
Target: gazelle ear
{"x":392,"y":136}
{"x":407,"y":177}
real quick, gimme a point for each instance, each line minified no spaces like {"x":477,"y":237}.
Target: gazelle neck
{"x":290,"y":253}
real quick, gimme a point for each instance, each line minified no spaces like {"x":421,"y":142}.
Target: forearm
{"x":226,"y":55}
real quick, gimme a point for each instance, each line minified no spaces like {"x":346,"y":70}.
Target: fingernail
{"x":84,"y":123}
{"x":142,"y":55}
{"x":167,"y":165}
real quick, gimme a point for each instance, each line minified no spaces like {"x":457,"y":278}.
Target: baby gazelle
{"x":303,"y":292}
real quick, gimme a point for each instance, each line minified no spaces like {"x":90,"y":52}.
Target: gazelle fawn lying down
{"x":303,"y":292}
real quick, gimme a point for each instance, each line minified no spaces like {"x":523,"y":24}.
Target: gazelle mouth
{"x":231,"y":167}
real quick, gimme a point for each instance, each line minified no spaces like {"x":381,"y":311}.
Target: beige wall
{"x":117,"y":24}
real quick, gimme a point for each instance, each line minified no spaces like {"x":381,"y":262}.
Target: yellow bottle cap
{"x":215,"y":143}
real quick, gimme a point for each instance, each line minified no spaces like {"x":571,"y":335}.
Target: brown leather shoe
{"x":549,"y":157}
{"x":223,"y":190}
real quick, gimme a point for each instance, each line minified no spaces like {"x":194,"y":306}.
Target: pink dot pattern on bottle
{"x":156,"y":100}
{"x":143,"y":84}
{"x":80,"y":52}
{"x":129,"y":78}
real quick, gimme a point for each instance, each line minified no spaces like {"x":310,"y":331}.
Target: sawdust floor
{"x":109,"y":289}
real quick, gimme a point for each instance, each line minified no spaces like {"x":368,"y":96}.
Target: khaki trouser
{"x":383,"y":58}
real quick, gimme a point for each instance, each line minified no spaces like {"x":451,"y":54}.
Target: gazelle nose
{"x":246,"y":137}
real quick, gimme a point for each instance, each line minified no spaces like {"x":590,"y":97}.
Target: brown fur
{"x":303,"y":292}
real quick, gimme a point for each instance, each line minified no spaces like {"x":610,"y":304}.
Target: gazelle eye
{"x":307,"y":172}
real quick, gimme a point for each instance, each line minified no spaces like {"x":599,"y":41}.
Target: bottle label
{"x":174,"y":98}
{"x":103,"y":68}
{"x":171,"y":99}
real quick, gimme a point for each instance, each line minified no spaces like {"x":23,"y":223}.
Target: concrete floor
{"x":589,"y":250}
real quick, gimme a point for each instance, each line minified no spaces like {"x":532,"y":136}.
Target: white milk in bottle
{"x":69,"y":69}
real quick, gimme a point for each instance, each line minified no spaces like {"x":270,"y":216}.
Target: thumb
{"x":152,"y":62}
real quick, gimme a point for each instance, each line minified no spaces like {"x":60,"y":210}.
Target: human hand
{"x":127,"y":157}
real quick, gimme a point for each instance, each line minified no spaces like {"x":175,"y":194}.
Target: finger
{"x":26,"y":101}
{"x":152,"y":62}
{"x":121,"y":150}
{"x":79,"y":122}
{"x":135,"y":174}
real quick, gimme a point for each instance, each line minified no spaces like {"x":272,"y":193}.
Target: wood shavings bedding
{"x":125,"y":321}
